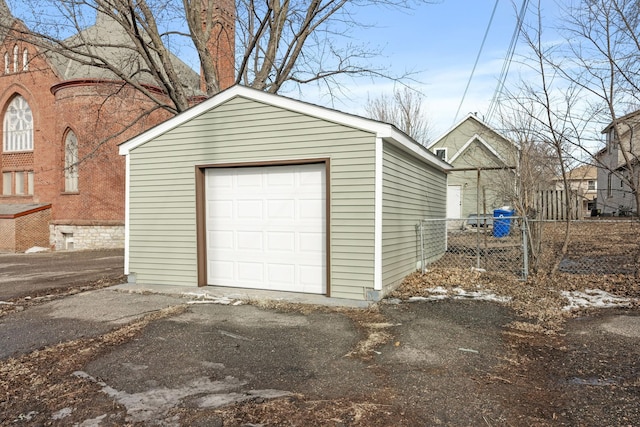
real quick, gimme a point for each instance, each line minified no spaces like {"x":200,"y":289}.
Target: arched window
{"x":71,"y":162}
{"x":25,"y":60}
{"x":18,"y":126}
{"x":6,"y":62}
{"x":15,"y":59}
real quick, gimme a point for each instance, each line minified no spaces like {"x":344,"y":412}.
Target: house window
{"x":591,"y":185}
{"x":19,"y":177}
{"x":17,"y":183}
{"x":6,"y":183}
{"x":25,"y":60}
{"x":442,"y":153}
{"x":30,"y":185}
{"x":15,"y":59}
{"x":6,"y":62}
{"x":18,"y":126}
{"x":609,"y":185}
{"x":71,"y":162}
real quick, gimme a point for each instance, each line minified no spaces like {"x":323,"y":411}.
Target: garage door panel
{"x":249,"y":209}
{"x":250,"y":272}
{"x":250,"y":240}
{"x":276,"y":217}
{"x":281,"y":209}
{"x":281,"y":241}
{"x":281,"y":274}
{"x":221,"y":270}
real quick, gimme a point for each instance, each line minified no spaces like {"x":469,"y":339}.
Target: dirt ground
{"x":519,"y":360}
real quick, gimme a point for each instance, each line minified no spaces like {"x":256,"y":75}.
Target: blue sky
{"x":441,"y":41}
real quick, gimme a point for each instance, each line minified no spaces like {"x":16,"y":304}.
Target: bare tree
{"x":404,"y":110}
{"x":281,"y":42}
{"x":547,"y":106}
{"x":588,"y":80}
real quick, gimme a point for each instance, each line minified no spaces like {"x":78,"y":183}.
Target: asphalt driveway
{"x":110,"y":357}
{"x":50,"y":272}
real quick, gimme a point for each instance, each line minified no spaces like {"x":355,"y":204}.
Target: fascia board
{"x":483,"y":142}
{"x":380,"y":129}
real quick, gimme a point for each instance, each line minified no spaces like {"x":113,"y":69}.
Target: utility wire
{"x":484,"y":39}
{"x":507,"y":61}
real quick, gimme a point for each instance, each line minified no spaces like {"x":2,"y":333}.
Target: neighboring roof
{"x":584,"y":172}
{"x":385,"y":131}
{"x":622,"y":119}
{"x":470,"y":116}
{"x":107,"y":39}
{"x":475,"y":137}
{"x":6,"y":19}
{"x":11,"y":211}
{"x":483,"y":142}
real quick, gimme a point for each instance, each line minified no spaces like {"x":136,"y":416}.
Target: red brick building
{"x":62,"y":178}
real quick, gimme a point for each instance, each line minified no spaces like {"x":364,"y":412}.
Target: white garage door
{"x":266,"y":227}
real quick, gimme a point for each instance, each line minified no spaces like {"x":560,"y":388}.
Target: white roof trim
{"x":483,"y":142}
{"x":477,"y":119}
{"x":382,"y":130}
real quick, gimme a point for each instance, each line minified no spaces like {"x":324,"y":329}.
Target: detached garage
{"x":254,"y":190}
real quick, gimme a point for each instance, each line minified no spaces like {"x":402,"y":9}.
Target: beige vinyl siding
{"x":412,"y":190}
{"x":162,"y":178}
{"x":493,"y":191}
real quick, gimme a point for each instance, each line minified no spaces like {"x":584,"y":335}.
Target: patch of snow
{"x":5,"y":303}
{"x":36,"y":249}
{"x":62,"y":413}
{"x":205,"y":298}
{"x":152,"y":406}
{"x":593,"y":298}
{"x":441,"y":293}
{"x":93,"y":422}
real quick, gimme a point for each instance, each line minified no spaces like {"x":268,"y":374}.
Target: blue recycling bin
{"x":502,"y":222}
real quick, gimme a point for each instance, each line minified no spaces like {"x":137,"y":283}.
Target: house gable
{"x":471,"y":131}
{"x":381,"y":130}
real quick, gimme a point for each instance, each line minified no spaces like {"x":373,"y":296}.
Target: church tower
{"x":221,"y":45}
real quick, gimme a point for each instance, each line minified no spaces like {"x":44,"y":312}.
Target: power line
{"x":507,"y":60}
{"x":484,"y":39}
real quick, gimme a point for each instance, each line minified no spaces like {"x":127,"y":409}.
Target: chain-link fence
{"x":489,"y":244}
{"x":598,"y":246}
{"x":520,"y":247}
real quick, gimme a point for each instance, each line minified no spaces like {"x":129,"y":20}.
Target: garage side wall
{"x":162,"y":210}
{"x":412,"y":190}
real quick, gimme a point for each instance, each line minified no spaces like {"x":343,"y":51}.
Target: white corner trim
{"x":127,"y":187}
{"x":377,"y":230}
{"x":483,"y":142}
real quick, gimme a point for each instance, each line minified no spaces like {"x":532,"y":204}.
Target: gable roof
{"x":475,"y":137}
{"x":105,"y":39}
{"x":385,"y":131}
{"x":483,"y":142}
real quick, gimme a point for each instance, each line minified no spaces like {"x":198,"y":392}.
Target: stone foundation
{"x":68,"y":237}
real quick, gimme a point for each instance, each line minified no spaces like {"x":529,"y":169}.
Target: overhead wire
{"x":507,"y":61}
{"x":484,"y":39}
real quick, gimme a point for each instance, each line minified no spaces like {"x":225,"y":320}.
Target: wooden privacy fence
{"x":551,"y":205}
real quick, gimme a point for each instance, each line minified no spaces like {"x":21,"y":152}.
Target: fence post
{"x":422,"y":267}
{"x":525,"y":250}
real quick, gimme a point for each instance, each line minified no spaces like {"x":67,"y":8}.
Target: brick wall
{"x":7,"y":235}
{"x":32,"y":230}
{"x":23,"y":232}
